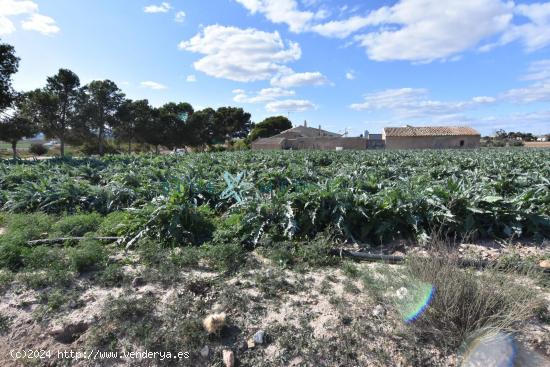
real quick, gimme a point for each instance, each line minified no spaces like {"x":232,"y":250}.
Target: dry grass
{"x":467,"y":300}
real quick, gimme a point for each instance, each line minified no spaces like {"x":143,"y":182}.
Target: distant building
{"x":443,"y":137}
{"x":304,"y":137}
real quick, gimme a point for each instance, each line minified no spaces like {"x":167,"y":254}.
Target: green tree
{"x":201,"y":128}
{"x":100,"y":106}
{"x":9,"y":64}
{"x":65,"y":87}
{"x":231,"y":123}
{"x":269,"y":127}
{"x":15,"y":127}
{"x":173,"y":119}
{"x":151,"y":131}
{"x":131,"y":121}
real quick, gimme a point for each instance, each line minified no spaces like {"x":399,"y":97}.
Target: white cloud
{"x":425,"y":30}
{"x":162,"y":8}
{"x":17,"y":7}
{"x":290,"y":105}
{"x":263,"y":96}
{"x":41,"y":23}
{"x":538,"y":70}
{"x":34,"y":21}
{"x":414,"y":103}
{"x":342,"y":28}
{"x":350,"y":75}
{"x":419,"y":30}
{"x":539,"y":90}
{"x":6,"y":26}
{"x":153,"y":85}
{"x":534,"y":34}
{"x":288,"y":12}
{"x":281,"y":11}
{"x":290,"y":80}
{"x":191,"y":78}
{"x":242,"y":55}
{"x":180,"y":17}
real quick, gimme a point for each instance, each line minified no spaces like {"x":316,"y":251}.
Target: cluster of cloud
{"x":414,"y":103}
{"x":250,"y":55}
{"x":275,"y":99}
{"x":420,"y":30}
{"x":153,"y":85}
{"x":165,"y":7}
{"x":539,"y":89}
{"x":32,"y":21}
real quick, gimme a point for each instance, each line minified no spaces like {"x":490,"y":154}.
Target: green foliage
{"x":114,"y":224}
{"x":314,"y":253}
{"x":11,"y":256}
{"x":269,"y":127}
{"x":370,"y":197}
{"x":77,"y":225}
{"x":112,"y":276}
{"x":224,"y":257}
{"x":9,"y":64}
{"x":44,"y":257}
{"x":21,"y":228}
{"x":88,"y":255}
{"x":38,"y":149}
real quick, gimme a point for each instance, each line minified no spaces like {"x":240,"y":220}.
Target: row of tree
{"x":70,"y":113}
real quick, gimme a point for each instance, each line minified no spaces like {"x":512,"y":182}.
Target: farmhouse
{"x":304,"y":137}
{"x":442,"y":137}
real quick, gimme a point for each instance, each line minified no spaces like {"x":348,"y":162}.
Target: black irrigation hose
{"x":390,"y":259}
{"x":65,"y":239}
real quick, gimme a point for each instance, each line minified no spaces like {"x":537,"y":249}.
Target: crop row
{"x":364,"y":196}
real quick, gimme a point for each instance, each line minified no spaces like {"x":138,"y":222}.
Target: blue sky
{"x":342,"y":64}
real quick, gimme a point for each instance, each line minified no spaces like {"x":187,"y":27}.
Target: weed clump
{"x":77,"y":225}
{"x":445,"y":304}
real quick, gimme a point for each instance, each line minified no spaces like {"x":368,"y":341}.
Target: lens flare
{"x":413,"y":300}
{"x":497,"y":349}
{"x":490,"y":349}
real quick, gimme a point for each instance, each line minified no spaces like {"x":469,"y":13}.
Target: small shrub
{"x":516,"y":143}
{"x":227,"y":258}
{"x":315,"y":253}
{"x":6,"y":279}
{"x":88,"y":255}
{"x":463,"y":300}
{"x":91,"y":147}
{"x":44,"y":257}
{"x":26,"y":227}
{"x":47,"y":278}
{"x":11,"y":256}
{"x":349,"y":269}
{"x":113,"y":224}
{"x":77,"y":225}
{"x":112,"y":276}
{"x":38,"y":149}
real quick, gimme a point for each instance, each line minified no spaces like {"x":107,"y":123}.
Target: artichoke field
{"x":370,"y":197}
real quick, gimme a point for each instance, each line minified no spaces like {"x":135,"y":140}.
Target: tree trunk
{"x":101,"y":149}
{"x":14,"y":149}
{"x":130,"y":146}
{"x":62,"y":147}
{"x":157,"y":149}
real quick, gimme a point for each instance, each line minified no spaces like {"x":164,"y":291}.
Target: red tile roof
{"x":431,"y":131}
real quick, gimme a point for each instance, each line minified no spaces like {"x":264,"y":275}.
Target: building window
{"x":461,"y":143}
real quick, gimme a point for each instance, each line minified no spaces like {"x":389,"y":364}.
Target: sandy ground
{"x":308,"y":317}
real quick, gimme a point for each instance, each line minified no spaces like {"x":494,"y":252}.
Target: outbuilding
{"x":436,"y":137}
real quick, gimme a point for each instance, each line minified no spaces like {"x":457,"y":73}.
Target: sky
{"x":346,"y":65}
